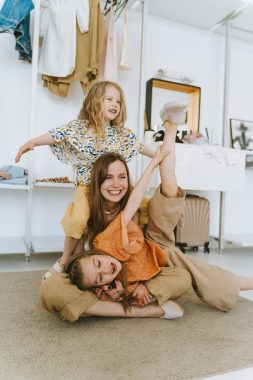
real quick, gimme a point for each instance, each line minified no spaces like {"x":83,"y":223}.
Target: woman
{"x":214,"y":285}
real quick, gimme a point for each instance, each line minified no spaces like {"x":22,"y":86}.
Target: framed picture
{"x":241,"y":134}
{"x":249,"y":161}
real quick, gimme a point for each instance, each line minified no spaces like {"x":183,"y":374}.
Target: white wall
{"x":171,"y":45}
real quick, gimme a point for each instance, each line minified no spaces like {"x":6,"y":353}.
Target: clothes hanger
{"x":108,"y":5}
{"x":120,"y":5}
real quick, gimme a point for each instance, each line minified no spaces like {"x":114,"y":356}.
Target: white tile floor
{"x":238,"y":260}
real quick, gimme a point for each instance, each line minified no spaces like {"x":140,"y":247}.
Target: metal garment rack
{"x":225,"y":131}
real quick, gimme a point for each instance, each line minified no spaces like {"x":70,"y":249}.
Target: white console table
{"x":209,"y":168}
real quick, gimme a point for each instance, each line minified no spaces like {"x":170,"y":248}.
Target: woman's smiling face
{"x":99,"y":270}
{"x":115,"y":186}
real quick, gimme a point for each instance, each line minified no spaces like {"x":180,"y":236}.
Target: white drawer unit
{"x":210,"y":168}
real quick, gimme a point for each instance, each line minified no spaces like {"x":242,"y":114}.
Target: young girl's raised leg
{"x":169,"y":185}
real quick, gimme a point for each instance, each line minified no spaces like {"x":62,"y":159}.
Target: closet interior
{"x":219,"y":57}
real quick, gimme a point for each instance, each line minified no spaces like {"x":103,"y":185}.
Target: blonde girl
{"x":99,"y":129}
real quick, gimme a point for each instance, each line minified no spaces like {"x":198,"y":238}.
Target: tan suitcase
{"x":192,"y":229}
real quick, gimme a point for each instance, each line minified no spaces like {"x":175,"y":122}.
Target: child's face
{"x":115,"y":186}
{"x":99,"y":270}
{"x":111,"y":103}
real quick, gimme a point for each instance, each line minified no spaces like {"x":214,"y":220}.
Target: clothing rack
{"x":227,"y":22}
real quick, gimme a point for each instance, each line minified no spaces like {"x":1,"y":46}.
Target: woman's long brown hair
{"x":97,"y":221}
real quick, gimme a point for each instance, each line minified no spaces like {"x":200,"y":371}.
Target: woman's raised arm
{"x":139,"y":190}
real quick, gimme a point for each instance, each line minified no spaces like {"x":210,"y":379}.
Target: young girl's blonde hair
{"x":91,"y":111}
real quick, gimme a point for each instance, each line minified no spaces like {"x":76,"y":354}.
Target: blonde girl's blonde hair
{"x":91,"y":111}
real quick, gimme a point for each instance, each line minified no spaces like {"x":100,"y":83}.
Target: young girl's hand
{"x":142,"y":295}
{"x":111,"y":294}
{"x":24,"y":149}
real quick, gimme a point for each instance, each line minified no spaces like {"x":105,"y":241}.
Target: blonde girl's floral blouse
{"x":76,"y":144}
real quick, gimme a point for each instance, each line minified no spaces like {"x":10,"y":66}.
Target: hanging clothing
{"x":111,"y":53}
{"x":89,"y":53}
{"x":58,"y":29}
{"x":15,"y":18}
{"x":126,"y":52}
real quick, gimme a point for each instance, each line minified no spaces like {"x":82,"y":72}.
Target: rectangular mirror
{"x":159,"y":92}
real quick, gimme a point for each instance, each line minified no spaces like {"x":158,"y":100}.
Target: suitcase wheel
{"x":206,"y":247}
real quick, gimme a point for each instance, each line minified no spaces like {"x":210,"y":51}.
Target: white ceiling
{"x":205,"y":14}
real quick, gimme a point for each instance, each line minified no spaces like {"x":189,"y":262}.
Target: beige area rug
{"x":37,"y":345}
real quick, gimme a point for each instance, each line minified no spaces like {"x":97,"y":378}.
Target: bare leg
{"x":70,"y":246}
{"x":115,"y":309}
{"x":169,"y":186}
{"x":79,"y":246}
{"x":169,"y":310}
{"x":245,"y":283}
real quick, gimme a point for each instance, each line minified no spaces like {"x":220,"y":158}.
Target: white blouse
{"x":58,"y":29}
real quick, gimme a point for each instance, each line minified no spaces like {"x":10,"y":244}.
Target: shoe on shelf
{"x":57,"y":267}
{"x":174,"y":112}
{"x":172,"y":310}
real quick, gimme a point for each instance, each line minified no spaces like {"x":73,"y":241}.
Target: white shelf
{"x":14,"y":187}
{"x":10,"y":245}
{"x":47,"y":244}
{"x":54,"y":184}
{"x":242,"y":240}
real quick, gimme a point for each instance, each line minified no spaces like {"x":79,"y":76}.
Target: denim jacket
{"x":18,"y":175}
{"x":15,"y":18}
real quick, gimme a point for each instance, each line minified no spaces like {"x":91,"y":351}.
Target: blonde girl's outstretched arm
{"x":140,"y":188}
{"x":147,"y":152}
{"x":45,"y":139}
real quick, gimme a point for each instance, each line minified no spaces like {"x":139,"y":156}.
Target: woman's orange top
{"x":142,"y":258}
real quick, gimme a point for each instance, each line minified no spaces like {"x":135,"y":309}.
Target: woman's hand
{"x":142,"y":295}
{"x":106,"y":294}
{"x":159,"y":155}
{"x":24,"y":149}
